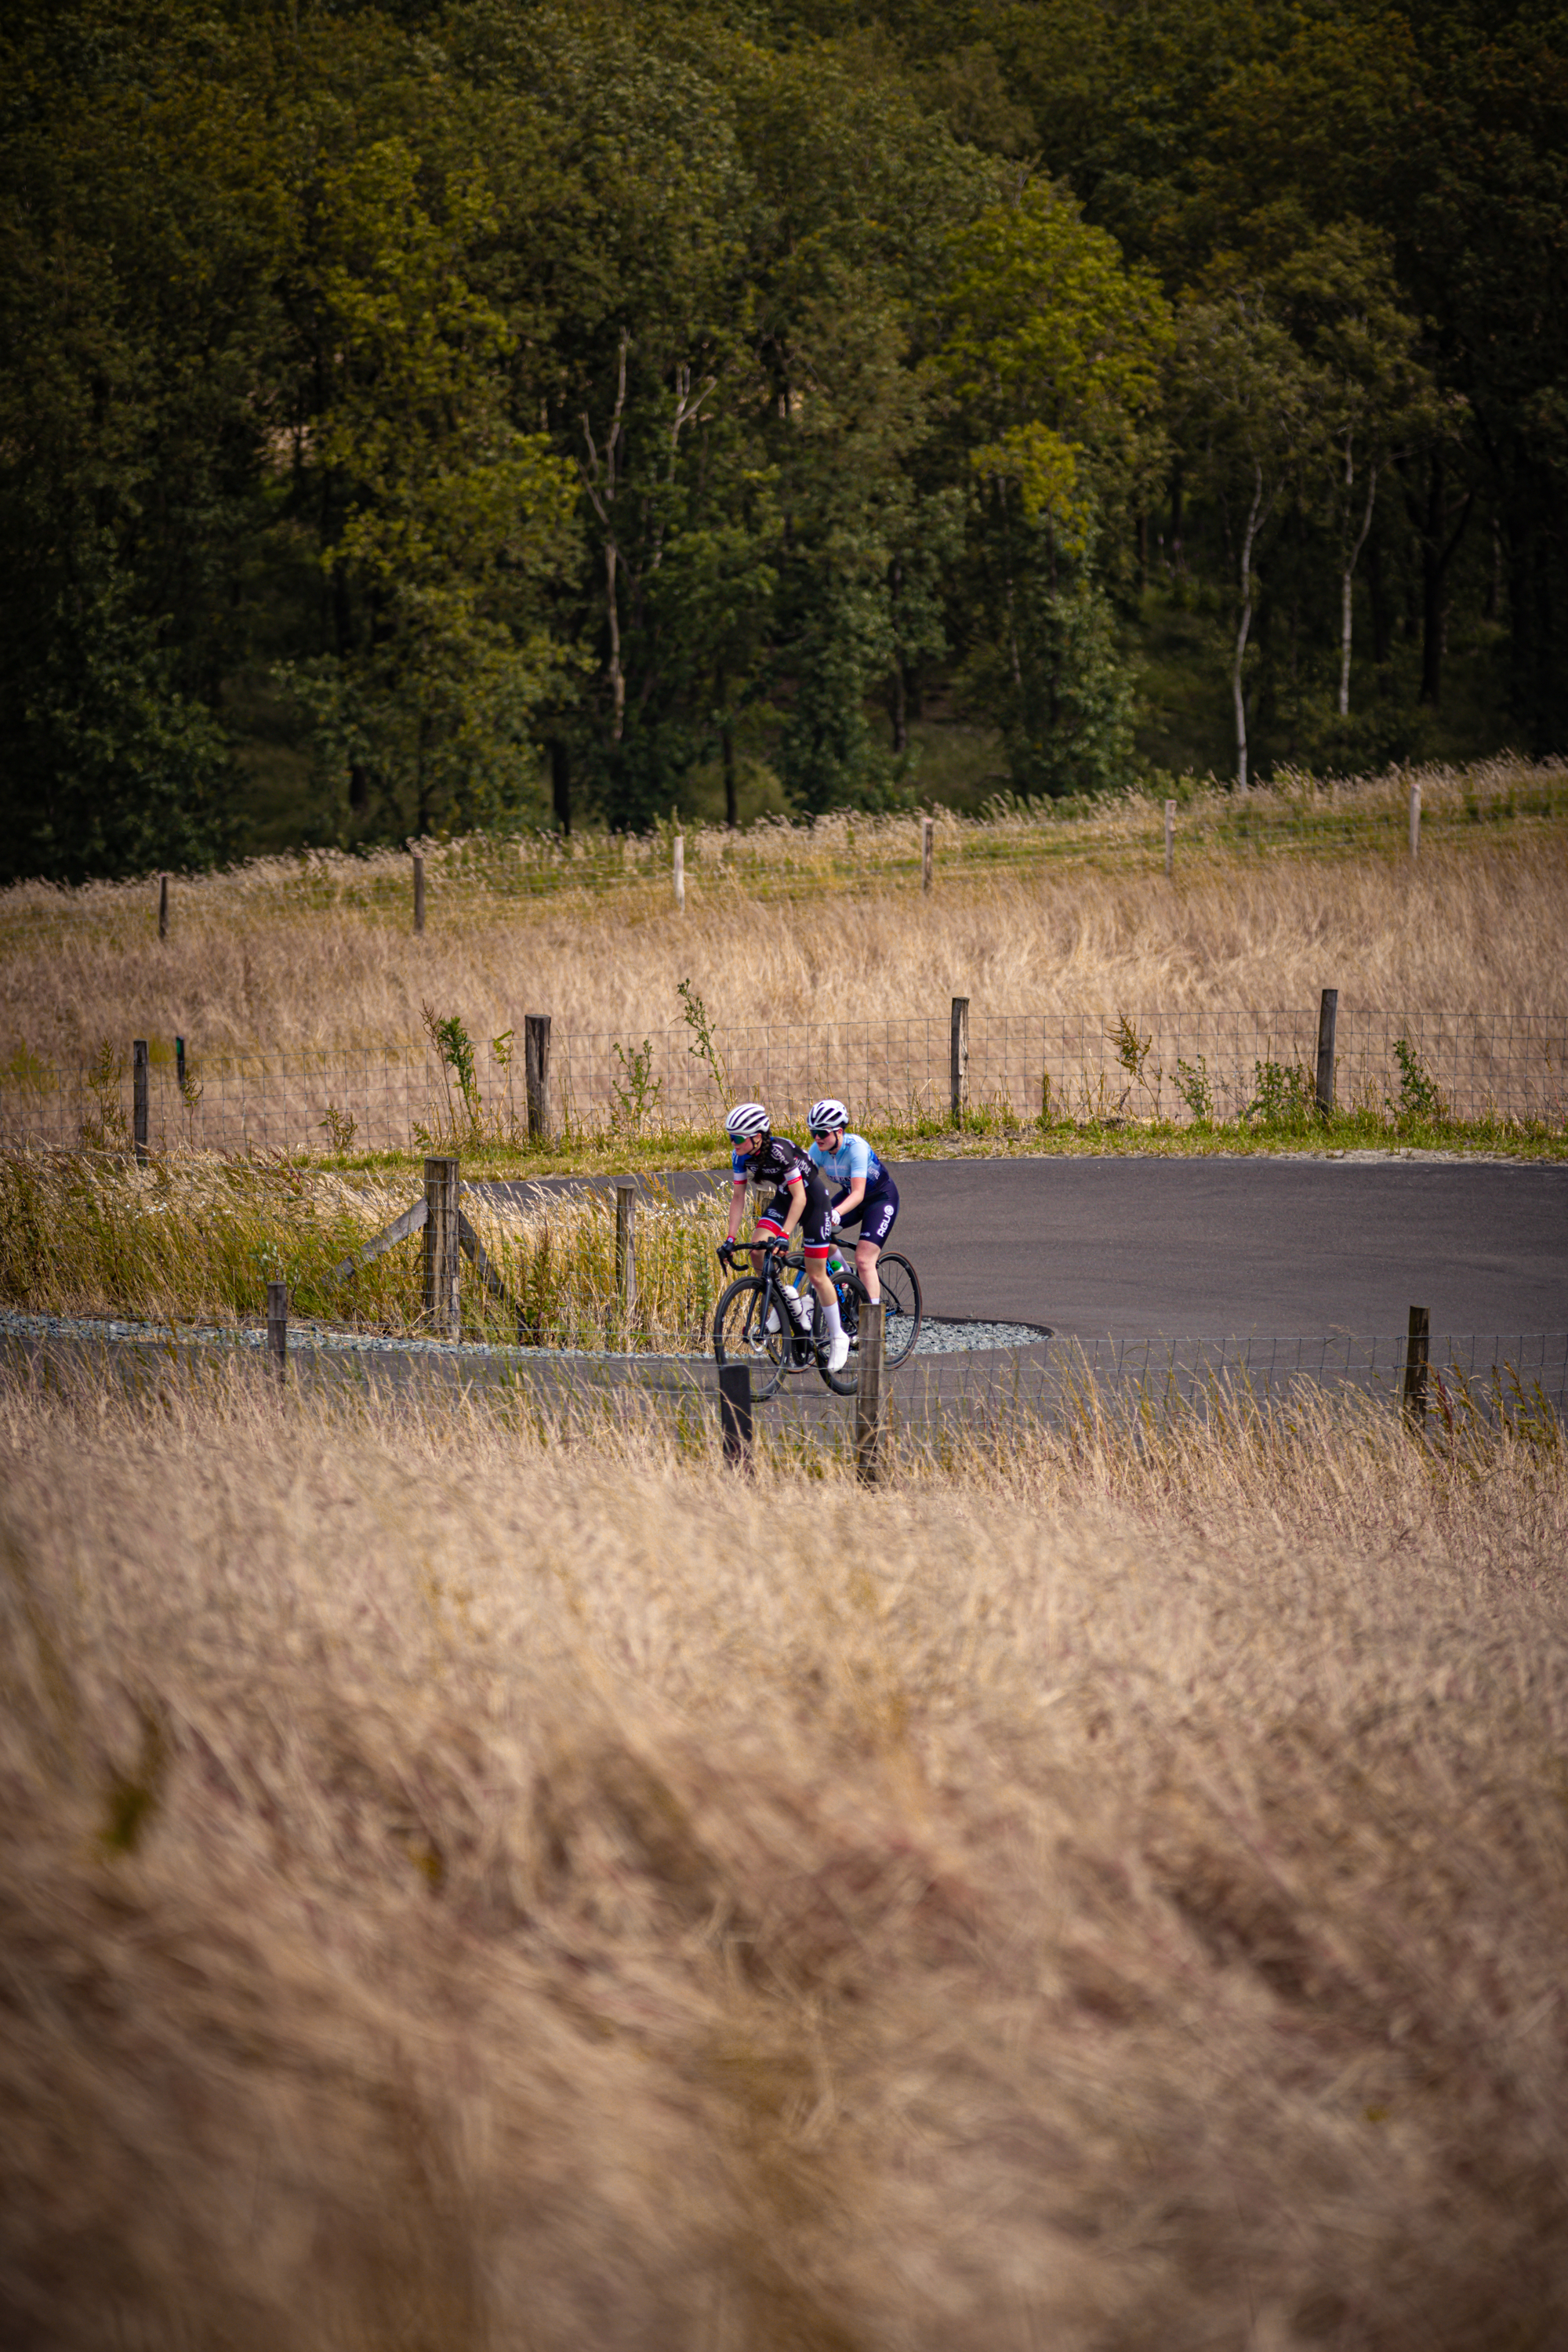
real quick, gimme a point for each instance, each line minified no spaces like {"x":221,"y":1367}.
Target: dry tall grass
{"x":250,"y":962}
{"x":461,"y":1894}
{"x":197,"y":1240}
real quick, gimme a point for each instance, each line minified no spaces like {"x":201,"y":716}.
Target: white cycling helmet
{"x":827,"y":1113}
{"x":745,"y":1120}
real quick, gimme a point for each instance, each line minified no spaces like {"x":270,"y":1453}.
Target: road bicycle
{"x":758,"y":1320}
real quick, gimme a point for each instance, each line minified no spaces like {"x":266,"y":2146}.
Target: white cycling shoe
{"x":838,"y":1353}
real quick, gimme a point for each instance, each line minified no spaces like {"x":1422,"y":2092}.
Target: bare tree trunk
{"x":613,"y":617}
{"x":1351,"y":561}
{"x":599,"y":479}
{"x":561,"y":782}
{"x":1255,"y":515}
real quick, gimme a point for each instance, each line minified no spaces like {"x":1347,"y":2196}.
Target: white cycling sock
{"x":830,"y":1317}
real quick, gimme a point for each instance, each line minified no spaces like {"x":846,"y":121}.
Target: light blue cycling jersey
{"x":854,"y":1158}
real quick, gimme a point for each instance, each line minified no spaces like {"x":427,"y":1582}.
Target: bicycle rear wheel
{"x":739,"y":1337}
{"x":901,"y":1287}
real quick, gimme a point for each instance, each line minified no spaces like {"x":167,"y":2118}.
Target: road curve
{"x":1178,"y":1248}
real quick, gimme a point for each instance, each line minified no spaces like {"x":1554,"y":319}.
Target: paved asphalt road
{"x":1182,"y":1247}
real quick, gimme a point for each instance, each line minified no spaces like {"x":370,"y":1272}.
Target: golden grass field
{"x":472,"y":1880}
{"x":280,"y":956}
{"x":461,"y":1891}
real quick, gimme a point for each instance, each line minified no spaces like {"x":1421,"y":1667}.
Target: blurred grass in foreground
{"x":469,"y":1881}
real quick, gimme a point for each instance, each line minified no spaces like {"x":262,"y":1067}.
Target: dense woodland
{"x":415,"y":418}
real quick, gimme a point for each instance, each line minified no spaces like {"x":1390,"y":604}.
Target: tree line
{"x":511,"y":412}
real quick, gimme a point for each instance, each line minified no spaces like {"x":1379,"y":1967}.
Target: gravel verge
{"x":941,"y":1336}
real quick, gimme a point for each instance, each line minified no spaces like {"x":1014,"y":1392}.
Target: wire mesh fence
{"x":1494,"y":1371}
{"x":1187,"y":1068}
{"x":939,"y":1411}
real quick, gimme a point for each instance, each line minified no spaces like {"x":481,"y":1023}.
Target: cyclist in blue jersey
{"x":869,"y":1196}
{"x":776,"y":1165}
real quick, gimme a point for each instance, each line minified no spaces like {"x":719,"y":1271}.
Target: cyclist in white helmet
{"x":869,"y":1195}
{"x":799,"y":1199}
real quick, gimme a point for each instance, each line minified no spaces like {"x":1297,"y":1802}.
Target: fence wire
{"x":941,"y":1413}
{"x":941,"y":1409}
{"x":1204,"y":1375}
{"x":1184,"y":1068}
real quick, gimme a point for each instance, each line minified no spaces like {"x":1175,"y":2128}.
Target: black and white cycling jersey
{"x":782,"y":1167}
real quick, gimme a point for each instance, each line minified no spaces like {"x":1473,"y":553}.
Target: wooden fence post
{"x":735,"y":1414}
{"x":536,"y":1073}
{"x":679,"y":872}
{"x":1328,"y":1019}
{"x":278,"y":1330}
{"x":418,"y":892}
{"x":1417,"y":1353}
{"x":1414,"y":820}
{"x":1170,"y":840}
{"x":928,"y":852}
{"x":139,"y":1099}
{"x":625,"y":1248}
{"x":443,"y":1238}
{"x":958,"y":1059}
{"x":871,"y":1396}
{"x":180,"y":1067}
{"x":163,"y":905}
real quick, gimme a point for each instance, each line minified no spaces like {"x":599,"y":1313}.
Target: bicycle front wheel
{"x":900,"y":1288}
{"x":739,"y":1336}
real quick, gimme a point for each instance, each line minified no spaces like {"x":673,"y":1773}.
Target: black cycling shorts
{"x":875,"y":1214}
{"x":814,"y":1231}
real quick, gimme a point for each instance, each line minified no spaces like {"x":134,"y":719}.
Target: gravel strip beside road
{"x":937,"y":1338}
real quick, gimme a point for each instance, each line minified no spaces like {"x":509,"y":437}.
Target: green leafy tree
{"x":140,"y":225}
{"x":1344,"y":307}
{"x":446,"y":517}
{"x":1253,"y":409}
{"x":1053,"y":350}
{"x":855,"y":188}
{"x":625,"y":279}
{"x":1477,"y":196}
{"x":856,"y":409}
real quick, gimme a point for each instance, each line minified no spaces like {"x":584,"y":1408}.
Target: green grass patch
{"x":1000,"y":1131}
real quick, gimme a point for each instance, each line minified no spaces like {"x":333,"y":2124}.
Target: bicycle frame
{"x":778,"y":1258}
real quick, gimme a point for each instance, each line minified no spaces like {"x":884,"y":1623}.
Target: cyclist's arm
{"x":737,"y":1208}
{"x":854,"y":1191}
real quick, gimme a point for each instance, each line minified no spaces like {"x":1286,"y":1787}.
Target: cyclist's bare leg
{"x":866,"y":1257}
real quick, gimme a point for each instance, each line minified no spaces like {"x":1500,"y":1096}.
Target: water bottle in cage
{"x":801,"y":1303}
